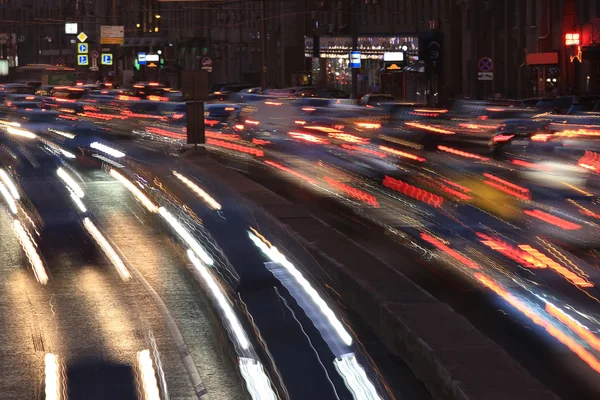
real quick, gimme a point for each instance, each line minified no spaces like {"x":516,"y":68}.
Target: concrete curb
{"x":452,"y":359}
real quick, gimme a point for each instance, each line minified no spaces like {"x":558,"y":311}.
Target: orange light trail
{"x":536,"y":318}
{"x":551,"y":219}
{"x":507,"y":187}
{"x":402,"y":153}
{"x":461,"y":153}
{"x":451,"y":252}
{"x":413,"y":191}
{"x":429,"y":128}
{"x":353,"y":192}
{"x":364,"y":150}
{"x":236,"y":147}
{"x":290,"y":171}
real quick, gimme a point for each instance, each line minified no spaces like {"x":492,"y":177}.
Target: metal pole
{"x":263,"y":47}
{"x":474,"y":58}
{"x":354,"y":13}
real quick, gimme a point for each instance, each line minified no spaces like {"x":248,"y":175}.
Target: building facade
{"x":309,"y":41}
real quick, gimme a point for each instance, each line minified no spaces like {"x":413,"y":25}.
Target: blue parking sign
{"x":82,"y":59}
{"x":107,"y":59}
{"x":82,"y":48}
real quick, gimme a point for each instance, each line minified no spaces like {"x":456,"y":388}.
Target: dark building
{"x":443,"y":42}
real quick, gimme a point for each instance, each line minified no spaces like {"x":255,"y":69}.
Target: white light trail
{"x":20,"y":132}
{"x":137,"y":193}
{"x":107,"y":249}
{"x":257,"y":381}
{"x":186,"y":236}
{"x":355,"y":377}
{"x":52,"y":377}
{"x":62,"y":133}
{"x":70,"y":182}
{"x":108,"y":160}
{"x":275,"y":256}
{"x":31,"y":252}
{"x":59,"y":149}
{"x":148,"y":376}
{"x":12,"y":205}
{"x":212,"y":203}
{"x":78,"y":202}
{"x":108,"y":150}
{"x":221,"y":300}
{"x":5,"y":178}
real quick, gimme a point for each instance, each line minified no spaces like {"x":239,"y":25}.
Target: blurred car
{"x":376,"y":99}
{"x":522,"y":135}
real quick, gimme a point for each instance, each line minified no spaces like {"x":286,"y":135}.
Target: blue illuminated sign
{"x":355,"y":59}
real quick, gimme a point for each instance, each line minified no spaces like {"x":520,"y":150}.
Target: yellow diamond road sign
{"x":82,"y":37}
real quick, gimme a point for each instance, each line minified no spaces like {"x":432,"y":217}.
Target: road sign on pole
{"x":485,"y":64}
{"x":82,"y":59}
{"x":82,"y":37}
{"x":107,"y":59}
{"x":485,"y":76}
{"x":95,"y":54}
{"x":82,"y":48}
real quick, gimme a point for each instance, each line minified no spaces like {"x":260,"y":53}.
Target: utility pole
{"x":474,"y":57}
{"x":354,"y":11}
{"x":263,"y":47}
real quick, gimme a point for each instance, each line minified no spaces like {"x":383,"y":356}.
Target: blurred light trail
{"x":108,"y":161}
{"x":355,"y":378}
{"x":107,"y":249}
{"x":514,"y":253}
{"x":137,"y":193}
{"x":78,"y":203}
{"x":501,"y":138}
{"x":428,"y":128}
{"x":353,"y":192}
{"x":401,"y":153}
{"x":290,"y":171}
{"x":553,"y":220}
{"x":260,"y":142}
{"x":62,"y":133}
{"x":364,"y":150}
{"x":461,"y":153}
{"x":212,"y":203}
{"x":346,"y":137}
{"x":368,"y":125}
{"x":574,"y":325}
{"x":507,"y":187}
{"x":108,"y":150}
{"x":70,"y":182}
{"x":222,"y":301}
{"x":31,"y":253}
{"x":452,"y":253}
{"x":236,"y":147}
{"x":52,"y":377}
{"x":10,"y":201}
{"x":308,"y":137}
{"x":8,"y":182}
{"x":20,"y":132}
{"x":186,"y":236}
{"x":148,"y":380}
{"x":556,"y":267}
{"x":413,"y":191}
{"x":540,"y":320}
{"x":527,"y":164}
{"x":257,"y":382}
{"x":56,"y":149}
{"x":541,"y":137}
{"x":274,"y":255}
{"x":590,"y":160}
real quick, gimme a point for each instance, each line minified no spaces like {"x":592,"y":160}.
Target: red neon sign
{"x":572,"y":39}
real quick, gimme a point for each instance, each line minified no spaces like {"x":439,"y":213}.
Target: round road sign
{"x":206,"y":61}
{"x":485,"y":64}
{"x":95,"y":54}
{"x":60,"y":61}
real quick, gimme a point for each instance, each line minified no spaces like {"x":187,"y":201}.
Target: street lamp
{"x":157,"y":16}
